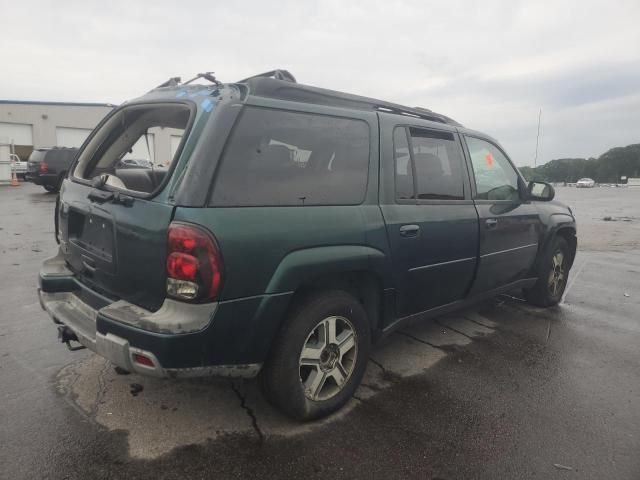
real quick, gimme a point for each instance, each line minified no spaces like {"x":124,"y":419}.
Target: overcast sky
{"x":490,"y":65}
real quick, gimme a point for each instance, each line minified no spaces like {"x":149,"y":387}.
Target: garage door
{"x":21,"y":135}
{"x":143,"y":149}
{"x":175,"y":143}
{"x":71,"y":137}
{"x":18,"y":133}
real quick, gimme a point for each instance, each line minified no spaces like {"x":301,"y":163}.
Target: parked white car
{"x":19,"y":166}
{"x":585,"y":183}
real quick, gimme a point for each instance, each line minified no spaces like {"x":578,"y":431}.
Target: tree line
{"x":607,"y":168}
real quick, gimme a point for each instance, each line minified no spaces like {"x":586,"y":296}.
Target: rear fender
{"x":301,"y":266}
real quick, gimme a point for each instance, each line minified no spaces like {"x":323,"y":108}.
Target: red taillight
{"x":182,"y":266}
{"x":143,"y":360}
{"x":44,"y":168}
{"x":194,"y":264}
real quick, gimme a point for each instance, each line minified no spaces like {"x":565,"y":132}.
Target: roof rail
{"x":277,"y":74}
{"x":410,"y":112}
{"x":267,"y":85}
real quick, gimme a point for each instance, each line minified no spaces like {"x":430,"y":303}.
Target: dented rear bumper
{"x":180,"y":340}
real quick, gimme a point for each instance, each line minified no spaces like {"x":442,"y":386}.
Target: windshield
{"x":135,"y":148}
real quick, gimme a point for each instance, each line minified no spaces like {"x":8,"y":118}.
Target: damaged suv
{"x":292,"y":228}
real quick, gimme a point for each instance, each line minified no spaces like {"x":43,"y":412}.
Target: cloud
{"x":490,"y":65}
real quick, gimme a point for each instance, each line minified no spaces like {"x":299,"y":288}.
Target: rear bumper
{"x":234,"y":342}
{"x":41,"y":179}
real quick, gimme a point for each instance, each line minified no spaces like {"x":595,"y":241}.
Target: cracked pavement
{"x":504,"y":390}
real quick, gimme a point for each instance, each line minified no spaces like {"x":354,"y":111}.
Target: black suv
{"x":292,"y":229}
{"x":49,"y":166}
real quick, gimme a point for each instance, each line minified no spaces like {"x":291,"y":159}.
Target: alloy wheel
{"x":557,"y":276}
{"x":328,"y":358}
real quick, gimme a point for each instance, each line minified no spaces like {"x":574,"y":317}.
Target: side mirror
{"x":541,"y":191}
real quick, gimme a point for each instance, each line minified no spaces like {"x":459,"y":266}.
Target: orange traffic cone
{"x":14,"y":180}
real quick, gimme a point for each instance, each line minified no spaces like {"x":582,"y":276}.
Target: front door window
{"x":496,"y":179}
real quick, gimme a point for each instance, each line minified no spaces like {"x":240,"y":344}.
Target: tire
{"x":306,"y":387}
{"x":553,"y":275}
{"x":57,"y":186}
{"x":59,"y":183}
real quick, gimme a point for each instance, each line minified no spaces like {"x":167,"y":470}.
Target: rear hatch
{"x":33,"y":164}
{"x":113,"y":221}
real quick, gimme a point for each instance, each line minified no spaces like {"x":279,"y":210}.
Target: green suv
{"x":283,"y":229}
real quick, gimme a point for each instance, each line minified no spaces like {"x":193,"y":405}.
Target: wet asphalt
{"x":528,"y":393}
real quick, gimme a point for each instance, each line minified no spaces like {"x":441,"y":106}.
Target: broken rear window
{"x":135,"y":149}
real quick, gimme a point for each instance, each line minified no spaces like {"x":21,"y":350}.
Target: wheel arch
{"x":364,"y":285}
{"x":356,"y":269}
{"x":564,"y":229}
{"x":569,"y":234}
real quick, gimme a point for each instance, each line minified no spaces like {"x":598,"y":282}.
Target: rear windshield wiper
{"x":98,"y":195}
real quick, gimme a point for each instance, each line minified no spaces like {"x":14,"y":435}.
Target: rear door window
{"x":123,"y":152}
{"x":438,"y":164}
{"x":277,"y":157}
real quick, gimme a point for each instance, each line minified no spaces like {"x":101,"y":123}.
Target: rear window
{"x":37,"y":155}
{"x":133,"y":149}
{"x":277,"y":157}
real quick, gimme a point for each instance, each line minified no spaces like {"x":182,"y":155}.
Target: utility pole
{"x":535,"y":160}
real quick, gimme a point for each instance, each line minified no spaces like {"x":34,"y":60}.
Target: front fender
{"x":559,"y":221}
{"x":556,"y":222}
{"x":303,"y":265}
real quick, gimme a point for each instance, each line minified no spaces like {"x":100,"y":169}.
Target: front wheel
{"x":553,"y":275}
{"x":319,"y":358}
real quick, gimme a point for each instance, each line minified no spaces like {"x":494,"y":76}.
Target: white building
{"x":28,"y":125}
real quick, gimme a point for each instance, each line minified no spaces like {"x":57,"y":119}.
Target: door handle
{"x":408,"y":231}
{"x":88,"y":263}
{"x":491,"y":223}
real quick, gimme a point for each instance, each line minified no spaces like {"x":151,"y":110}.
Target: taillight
{"x":194,"y":264}
{"x":44,"y":168}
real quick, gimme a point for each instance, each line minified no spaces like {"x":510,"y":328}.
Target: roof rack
{"x":207,"y":76}
{"x":270,"y":84}
{"x":282,"y":84}
{"x":172,"y":82}
{"x":175,"y":81}
{"x":277,"y":74}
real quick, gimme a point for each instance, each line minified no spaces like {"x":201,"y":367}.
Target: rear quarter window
{"x":282,"y":158}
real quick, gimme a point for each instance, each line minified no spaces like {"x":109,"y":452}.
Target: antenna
{"x":535,"y":160}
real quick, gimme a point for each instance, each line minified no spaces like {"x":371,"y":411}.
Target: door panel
{"x":509,"y":227}
{"x":508,"y":243}
{"x":431,"y":221}
{"x":435,"y":266}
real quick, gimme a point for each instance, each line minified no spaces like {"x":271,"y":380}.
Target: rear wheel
{"x":553,"y":275}
{"x":50,"y":188}
{"x":319,"y":359}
